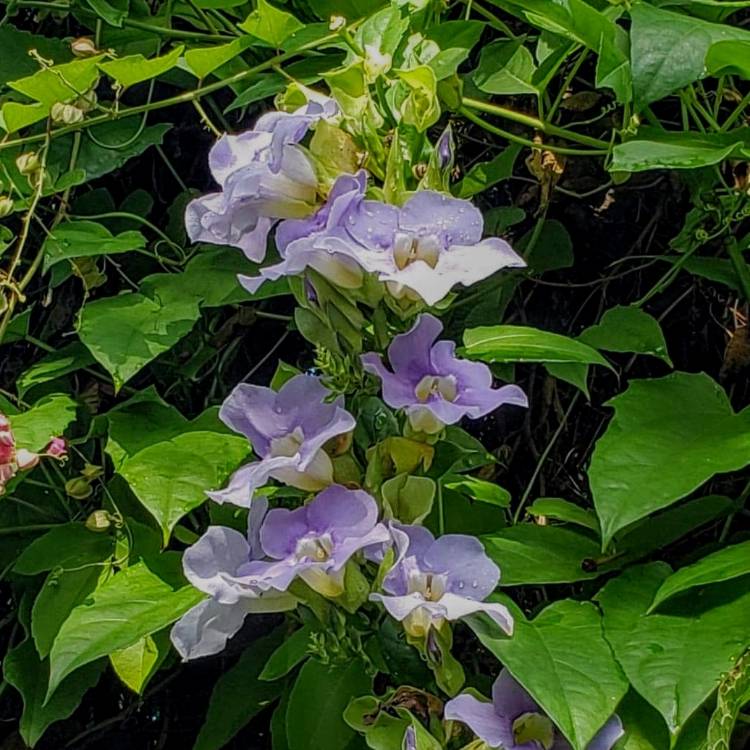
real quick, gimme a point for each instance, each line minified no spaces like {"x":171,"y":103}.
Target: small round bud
{"x":67,"y":114}
{"x":78,"y":488}
{"x":28,"y":163}
{"x":83,"y":47}
{"x":98,"y":522}
{"x":337,"y":23}
{"x":56,"y":448}
{"x":6,"y":206}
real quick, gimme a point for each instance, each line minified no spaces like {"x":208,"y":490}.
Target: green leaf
{"x":526,"y":344}
{"x":627,"y":329}
{"x":205,"y":60}
{"x":408,"y":498}
{"x":58,"y":83}
{"x":577,"y":687}
{"x":485,"y":174}
{"x":16,"y":45}
{"x":668,"y":436}
{"x":552,"y":250}
{"x":675,"y":660}
{"x":733,"y":694}
{"x":239,"y":695}
{"x":78,"y":239}
{"x":128,"y":71}
{"x":532,"y":554}
{"x":478,"y":489}
{"x":575,"y":374}
{"x":23,"y":669}
{"x":729,"y":58}
{"x":171,"y":478}
{"x":421,"y":107}
{"x":48,"y":418}
{"x":506,"y":68}
{"x":130,"y":605}
{"x":270,"y":24}
{"x":137,"y":664}
{"x":126,"y":332}
{"x":455,"y":39}
{"x":668,"y":49}
{"x":722,"y":565}
{"x":54,"y":365}
{"x":314,"y":718}
{"x":656,"y":149}
{"x":288,"y":655}
{"x":563,"y":510}
{"x":15,"y":116}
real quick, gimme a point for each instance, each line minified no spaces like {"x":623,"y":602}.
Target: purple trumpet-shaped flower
{"x":214,"y":565}
{"x":302,"y":243}
{"x":514,"y":721}
{"x":288,"y":430}
{"x":316,"y":541}
{"x":437,"y":580}
{"x":263,"y":177}
{"x":432,"y":384}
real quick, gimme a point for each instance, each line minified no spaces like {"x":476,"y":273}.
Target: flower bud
{"x":337,"y":23}
{"x":87,"y":101}
{"x":91,"y":472}
{"x":98,"y":522}
{"x":78,"y":488}
{"x":67,"y":114}
{"x":376,"y":62}
{"x":56,"y":448}
{"x":26,"y":460}
{"x":28,"y":163}
{"x":83,"y":46}
{"x":6,"y":206}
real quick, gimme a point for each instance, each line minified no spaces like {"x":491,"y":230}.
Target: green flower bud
{"x":28,"y":163}
{"x":98,"y":522}
{"x":78,"y":488}
{"x":6,"y":206}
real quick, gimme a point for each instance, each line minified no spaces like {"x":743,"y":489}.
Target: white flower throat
{"x":430,"y":585}
{"x":314,"y":548}
{"x":289,"y":444}
{"x":436,"y":385}
{"x":407,"y":249}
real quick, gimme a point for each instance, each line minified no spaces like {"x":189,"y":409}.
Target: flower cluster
{"x":13,"y":460}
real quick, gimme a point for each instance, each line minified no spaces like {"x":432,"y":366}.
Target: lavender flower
{"x":432,"y":384}
{"x":445,"y":149}
{"x":288,"y":431}
{"x":263,"y":177}
{"x":420,"y":250}
{"x":437,"y":580}
{"x":514,"y":721}
{"x":215,"y":565}
{"x":316,"y":541}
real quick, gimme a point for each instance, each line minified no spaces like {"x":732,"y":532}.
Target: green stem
{"x":490,"y":128}
{"x":172,"y":101}
{"x":737,"y":113}
{"x":535,"y":123}
{"x":740,"y":266}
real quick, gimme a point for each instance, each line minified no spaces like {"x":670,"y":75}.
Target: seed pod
{"x":6,"y":206}
{"x":83,"y":47}
{"x":28,"y":163}
{"x":87,"y":101}
{"x":78,"y":488}
{"x":98,"y":522}
{"x":67,"y":114}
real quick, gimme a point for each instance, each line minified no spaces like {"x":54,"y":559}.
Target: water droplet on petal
{"x":461,"y":584}
{"x":474,"y":584}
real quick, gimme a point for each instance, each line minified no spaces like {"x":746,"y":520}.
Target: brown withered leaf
{"x":547,"y":167}
{"x":580,"y":101}
{"x":737,"y":353}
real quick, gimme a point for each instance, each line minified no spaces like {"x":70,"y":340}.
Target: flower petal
{"x":470,"y":573}
{"x":510,"y":698}
{"x":243,"y":483}
{"x":479,"y":716}
{"x":457,"y":607}
{"x":606,"y":737}
{"x":206,"y":628}
{"x":342,"y":512}
{"x":454,"y":220}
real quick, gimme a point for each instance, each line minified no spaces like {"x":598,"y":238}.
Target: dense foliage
{"x":374,"y":375}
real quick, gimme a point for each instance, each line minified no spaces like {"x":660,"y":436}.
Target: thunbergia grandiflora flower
{"x":420,"y":250}
{"x":439,"y":580}
{"x":515,"y":721}
{"x":288,"y":430}
{"x":13,"y":459}
{"x":264,"y":176}
{"x":216,"y":564}
{"x":316,"y":541}
{"x":431,"y":384}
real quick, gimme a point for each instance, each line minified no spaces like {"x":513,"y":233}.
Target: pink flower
{"x":56,"y":448}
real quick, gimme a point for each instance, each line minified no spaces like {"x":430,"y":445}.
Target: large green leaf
{"x":668,"y":436}
{"x":314,"y":718}
{"x":506,"y":67}
{"x":68,"y":359}
{"x":137,"y":664}
{"x":723,"y":565}
{"x":16,"y":44}
{"x":562,"y":659}
{"x":485,"y":174}
{"x":533,"y":554}
{"x":668,"y":49}
{"x":729,"y":58}
{"x":23,"y":669}
{"x":674,"y":660}
{"x":205,"y":60}
{"x":130,"y":605}
{"x":48,"y":418}
{"x":239,"y":695}
{"x":288,"y":655}
{"x":526,"y":344}
{"x":128,"y":71}
{"x":126,"y":332}
{"x":171,"y":478}
{"x":270,"y":24}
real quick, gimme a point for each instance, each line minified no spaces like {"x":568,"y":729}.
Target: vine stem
{"x":535,"y":123}
{"x":184,"y":98}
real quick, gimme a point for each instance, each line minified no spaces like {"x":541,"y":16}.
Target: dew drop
{"x":474,"y":584}
{"x":461,"y":584}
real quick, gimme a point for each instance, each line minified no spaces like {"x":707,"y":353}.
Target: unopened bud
{"x":83,"y":47}
{"x":56,"y":448}
{"x":78,"y":488}
{"x":28,"y":163}
{"x":6,"y":206}
{"x":98,"y":522}
{"x":67,"y":114}
{"x":91,"y":472}
{"x":376,"y":62}
{"x":87,"y":101}
{"x":26,"y":460}
{"x":337,"y":23}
